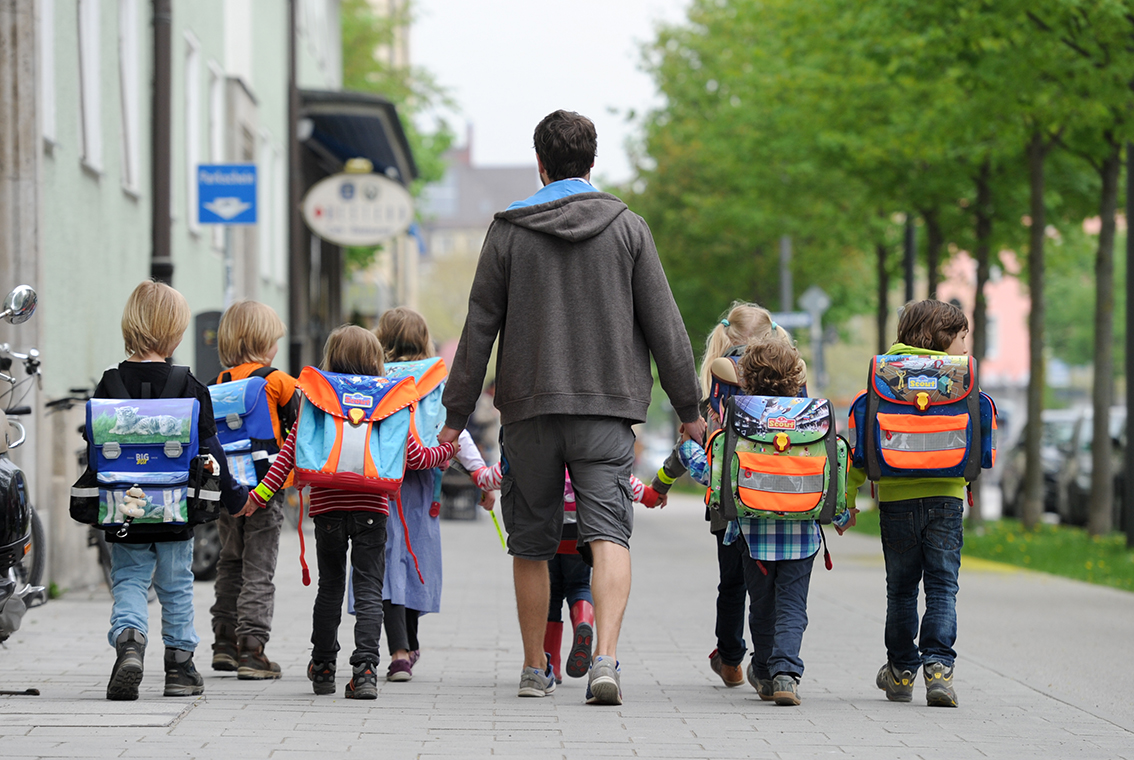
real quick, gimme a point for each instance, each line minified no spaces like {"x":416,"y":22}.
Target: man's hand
{"x":695,"y":430}
{"x":448,"y":435}
{"x":249,"y":509}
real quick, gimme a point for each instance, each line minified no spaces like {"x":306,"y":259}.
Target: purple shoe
{"x":400,"y":670}
{"x":414,"y":656}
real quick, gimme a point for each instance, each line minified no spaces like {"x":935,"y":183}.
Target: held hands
{"x":850,"y":523}
{"x":249,"y":509}
{"x":695,"y":430}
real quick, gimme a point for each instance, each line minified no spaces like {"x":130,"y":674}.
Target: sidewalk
{"x":1044,"y":670}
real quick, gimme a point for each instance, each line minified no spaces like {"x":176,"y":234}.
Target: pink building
{"x":1006,"y":359}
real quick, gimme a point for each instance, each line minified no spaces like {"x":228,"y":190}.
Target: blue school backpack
{"x":429,"y":377}
{"x":145,"y":464}
{"x":244,"y":425}
{"x":923,"y":417}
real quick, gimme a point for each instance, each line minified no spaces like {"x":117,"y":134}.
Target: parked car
{"x":1057,"y":441}
{"x":1077,"y":502}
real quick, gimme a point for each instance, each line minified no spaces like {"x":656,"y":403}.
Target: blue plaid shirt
{"x":768,"y":540}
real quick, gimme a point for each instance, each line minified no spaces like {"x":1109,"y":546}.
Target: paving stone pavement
{"x":1044,"y":670}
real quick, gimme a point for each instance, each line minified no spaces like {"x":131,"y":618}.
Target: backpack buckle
{"x":172,"y":449}
{"x":232,"y":419}
{"x":111,"y":450}
{"x":781,"y":442}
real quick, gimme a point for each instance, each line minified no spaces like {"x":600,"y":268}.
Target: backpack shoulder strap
{"x":224,"y":377}
{"x":262,"y":372}
{"x":873,"y":468}
{"x":114,"y":384}
{"x":832,"y":497}
{"x":727,"y":500}
{"x":972,"y":466}
{"x":176,"y":383}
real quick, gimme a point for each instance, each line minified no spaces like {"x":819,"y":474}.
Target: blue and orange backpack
{"x":244,"y":424}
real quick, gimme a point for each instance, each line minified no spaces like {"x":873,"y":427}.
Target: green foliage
{"x":1070,"y":326}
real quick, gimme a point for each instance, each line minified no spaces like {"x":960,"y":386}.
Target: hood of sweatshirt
{"x":569,"y":209}
{"x":904,"y":350}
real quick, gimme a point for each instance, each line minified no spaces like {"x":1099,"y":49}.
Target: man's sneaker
{"x":537,"y":683}
{"x":732,"y":675}
{"x":939,"y":690}
{"x":785,"y":689}
{"x":226,"y":653}
{"x":399,"y":670}
{"x":898,"y":686}
{"x":364,"y":683}
{"x":181,"y":677}
{"x":254,"y":664}
{"x":763,"y":686}
{"x":322,"y":676}
{"x":604,"y":686}
{"x":127,"y":673}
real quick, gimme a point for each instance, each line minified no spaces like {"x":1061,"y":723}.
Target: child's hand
{"x":652,"y":498}
{"x":487,"y":500}
{"x":663,"y":499}
{"x":249,"y":509}
{"x":850,"y":523}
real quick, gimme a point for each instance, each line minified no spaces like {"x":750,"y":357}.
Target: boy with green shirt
{"x":922,"y":534}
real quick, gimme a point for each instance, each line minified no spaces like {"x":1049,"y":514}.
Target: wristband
{"x":263,"y":492}
{"x":665,"y":478}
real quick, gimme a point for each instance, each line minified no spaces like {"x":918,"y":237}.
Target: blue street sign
{"x":226,"y":193}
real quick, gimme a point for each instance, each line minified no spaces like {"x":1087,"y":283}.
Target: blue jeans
{"x":777,"y":615}
{"x":169,"y":564}
{"x":921,"y":541}
{"x":570,"y":580}
{"x":731,"y":592}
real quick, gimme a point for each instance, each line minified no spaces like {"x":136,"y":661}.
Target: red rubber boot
{"x":583,"y":623}
{"x":553,"y":645}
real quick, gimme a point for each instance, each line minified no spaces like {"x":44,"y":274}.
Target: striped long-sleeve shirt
{"x":328,"y":499}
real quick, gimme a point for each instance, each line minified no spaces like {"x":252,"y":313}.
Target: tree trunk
{"x":1102,"y":449}
{"x":980,"y":311}
{"x":883,"y":312}
{"x":1031,"y":503}
{"x":934,"y":241}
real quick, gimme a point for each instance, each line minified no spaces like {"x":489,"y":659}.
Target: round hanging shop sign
{"x":357,"y":209}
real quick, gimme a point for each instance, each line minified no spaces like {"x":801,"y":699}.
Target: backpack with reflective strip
{"x":923,"y":417}
{"x":244,"y":425}
{"x":353,"y":431}
{"x":777,"y":458}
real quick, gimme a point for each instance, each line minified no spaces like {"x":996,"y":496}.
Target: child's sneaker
{"x":534,"y":683}
{"x":181,"y":677}
{"x":127,"y":673}
{"x":732,"y":675}
{"x":399,"y":670}
{"x":785,"y":689}
{"x":322,"y":676}
{"x":898,"y":686}
{"x":763,"y":686}
{"x":939,"y":690}
{"x":364,"y":684}
{"x":604,"y":686}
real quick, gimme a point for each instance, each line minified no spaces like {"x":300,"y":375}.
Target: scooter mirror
{"x":19,"y":305}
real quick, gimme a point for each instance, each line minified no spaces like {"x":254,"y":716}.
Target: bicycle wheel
{"x":34,"y":560}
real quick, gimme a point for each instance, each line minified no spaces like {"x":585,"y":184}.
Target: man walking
{"x":570,"y":281}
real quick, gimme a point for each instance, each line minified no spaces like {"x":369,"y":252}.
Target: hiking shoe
{"x":604,"y":686}
{"x":898,"y":686}
{"x":254,"y":664}
{"x":763,"y":686}
{"x":226,"y":653}
{"x":399,"y":670}
{"x":939,"y":690}
{"x":127,"y":673}
{"x":322,"y":677}
{"x":534,"y":683}
{"x":364,"y":684}
{"x":181,"y":677}
{"x":732,"y":675}
{"x":785,"y":690}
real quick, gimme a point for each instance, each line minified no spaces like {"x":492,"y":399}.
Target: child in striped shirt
{"x":342,"y":518}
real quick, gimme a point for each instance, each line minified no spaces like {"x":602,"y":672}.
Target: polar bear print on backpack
{"x":127,"y":421}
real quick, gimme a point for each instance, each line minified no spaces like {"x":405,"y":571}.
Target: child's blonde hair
{"x":771,"y":368}
{"x":405,"y":335}
{"x":154,"y":320}
{"x":351,"y":350}
{"x":247,"y":332}
{"x":741,"y":323}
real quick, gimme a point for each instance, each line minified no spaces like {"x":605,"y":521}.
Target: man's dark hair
{"x":566,"y":143}
{"x":930,"y":324}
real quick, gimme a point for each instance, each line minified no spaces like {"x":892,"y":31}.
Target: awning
{"x":337,"y":126}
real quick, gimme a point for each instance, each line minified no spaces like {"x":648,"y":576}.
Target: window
{"x":47,"y":68}
{"x":128,"y":34}
{"x":265,"y":211}
{"x":192,"y":127}
{"x":216,"y":132}
{"x":89,"y":92}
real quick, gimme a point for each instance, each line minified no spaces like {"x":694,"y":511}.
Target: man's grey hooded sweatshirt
{"x":577,"y":294}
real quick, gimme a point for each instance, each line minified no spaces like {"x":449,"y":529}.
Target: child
{"x":569,"y":575}
{"x":741,"y":323}
{"x":405,"y":336}
{"x":922,"y":535}
{"x":343,"y":517}
{"x":153,"y":324}
{"x":242,"y":616}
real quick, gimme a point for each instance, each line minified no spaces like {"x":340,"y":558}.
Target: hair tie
{"x":774,"y":325}
{"x":725,"y":322}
